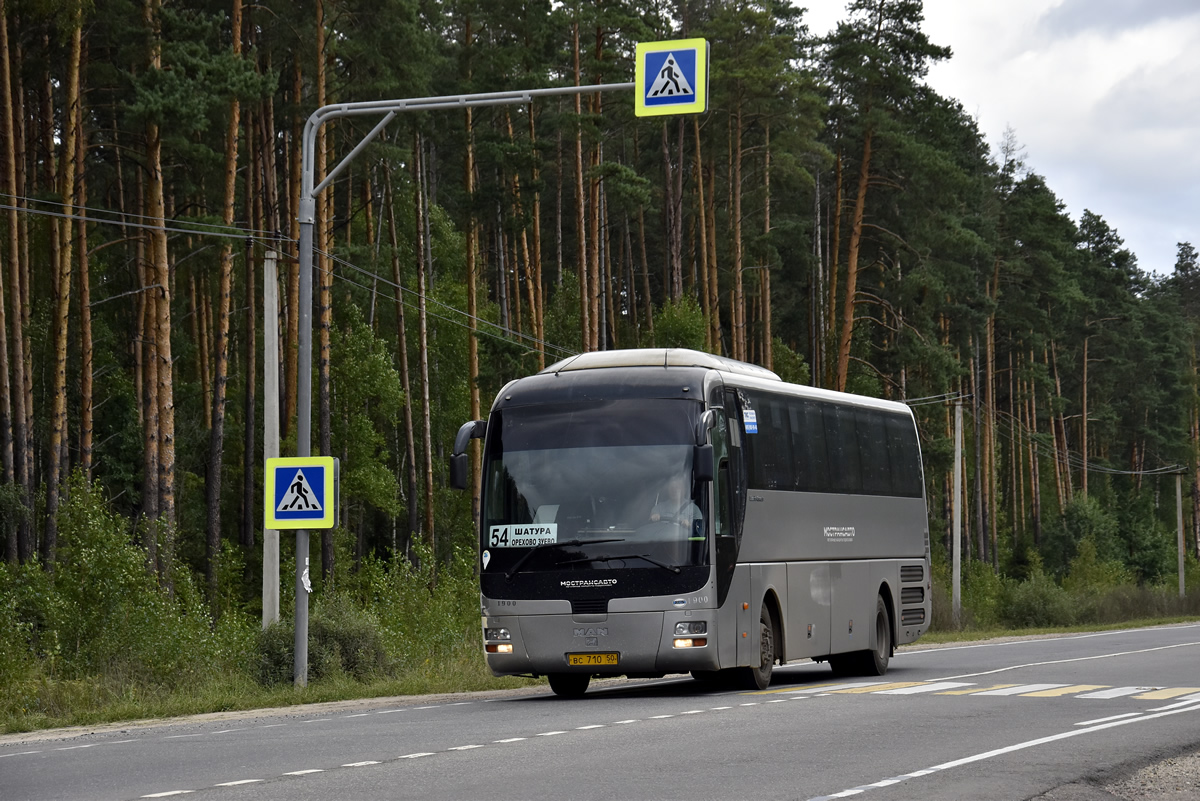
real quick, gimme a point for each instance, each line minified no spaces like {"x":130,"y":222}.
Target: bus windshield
{"x":593,"y":486}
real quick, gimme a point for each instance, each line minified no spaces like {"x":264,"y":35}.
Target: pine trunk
{"x":856,"y":230}
{"x":410,"y":450}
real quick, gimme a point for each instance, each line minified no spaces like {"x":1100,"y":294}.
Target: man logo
{"x":597,"y":632}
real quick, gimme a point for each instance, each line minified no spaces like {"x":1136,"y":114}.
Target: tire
{"x":759,"y":678}
{"x":875,"y":661}
{"x":569,"y":685}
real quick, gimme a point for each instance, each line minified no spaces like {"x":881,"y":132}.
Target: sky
{"x":1102,"y":95}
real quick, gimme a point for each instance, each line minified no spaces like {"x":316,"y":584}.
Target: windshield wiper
{"x":649,"y":559}
{"x":573,"y":543}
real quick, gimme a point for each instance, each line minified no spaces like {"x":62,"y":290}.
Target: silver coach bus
{"x":658,"y":511}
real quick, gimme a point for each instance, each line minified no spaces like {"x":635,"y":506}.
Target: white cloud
{"x":1104,"y":95}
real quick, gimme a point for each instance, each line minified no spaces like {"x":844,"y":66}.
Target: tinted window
{"x":841,"y":443}
{"x":769,"y":452}
{"x":873,"y":450}
{"x":905,"y":455}
{"x":808,"y":445}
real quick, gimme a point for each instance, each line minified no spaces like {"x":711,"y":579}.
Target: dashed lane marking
{"x":1061,"y":691}
{"x":1020,"y":689}
{"x":1170,"y":692}
{"x":236,"y":783}
{"x":304,"y":772}
{"x":1117,"y":692}
{"x":925,"y":688}
{"x":874,"y":688}
{"x":975,"y":690}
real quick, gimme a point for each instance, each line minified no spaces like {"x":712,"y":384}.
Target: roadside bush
{"x":1037,"y":602}
{"x":342,"y":640}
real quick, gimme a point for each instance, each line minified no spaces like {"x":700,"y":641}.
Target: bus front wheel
{"x":569,"y":685}
{"x":759,"y":677}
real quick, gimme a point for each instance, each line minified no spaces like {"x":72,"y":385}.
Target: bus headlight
{"x":496,"y":634}
{"x":691,"y":642}
{"x":691,"y":627}
{"x":500,"y":648}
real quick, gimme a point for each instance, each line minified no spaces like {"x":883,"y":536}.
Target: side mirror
{"x":458,"y":471}
{"x":458,"y":460}
{"x":702,"y":462}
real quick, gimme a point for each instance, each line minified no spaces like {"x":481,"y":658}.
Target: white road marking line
{"x":1026,"y":642}
{"x":272,"y":726}
{"x":239,"y":781}
{"x":304,"y":772}
{"x":593,"y":726}
{"x":1115,"y":692}
{"x":1008,"y":749}
{"x":316,"y":720}
{"x":416,"y":756}
{"x":752,"y":703}
{"x":660,"y":717}
{"x":168,"y":793}
{"x":926,"y":688}
{"x":359,"y":715}
{"x":463,"y":747}
{"x":1173,"y":706}
{"x":798,"y":698}
{"x":778,"y":700}
{"x":511,"y":740}
{"x":387,"y":711}
{"x":359,"y":764}
{"x":549,"y":733}
{"x":19,"y":753}
{"x":633,"y":720}
{"x":1106,"y":720}
{"x":692,"y":712}
{"x":461,"y":703}
{"x":719,"y":708}
{"x":1075,"y":659}
{"x":74,"y":747}
{"x":1020,"y":689}
{"x":179,"y":736}
{"x":226,"y":731}
{"x":435,"y":706}
{"x":120,"y":742}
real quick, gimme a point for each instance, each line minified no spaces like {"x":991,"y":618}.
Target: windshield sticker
{"x":487,"y":557}
{"x":751,"y":421}
{"x":524,"y":536}
{"x":839,"y":533}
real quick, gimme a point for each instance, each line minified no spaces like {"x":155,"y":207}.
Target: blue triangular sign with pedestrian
{"x":299,"y":496}
{"x":671,"y":81}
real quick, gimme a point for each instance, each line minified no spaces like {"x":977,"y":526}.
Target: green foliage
{"x":343,"y":639}
{"x":680,"y":324}
{"x":1082,"y":517}
{"x":789,"y":365}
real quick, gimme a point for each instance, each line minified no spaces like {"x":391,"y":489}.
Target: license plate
{"x":592,"y":660}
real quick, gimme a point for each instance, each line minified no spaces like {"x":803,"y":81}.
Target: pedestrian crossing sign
{"x":671,"y":77}
{"x":301,"y":492}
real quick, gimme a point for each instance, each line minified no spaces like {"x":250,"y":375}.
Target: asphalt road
{"x":1049,"y":717}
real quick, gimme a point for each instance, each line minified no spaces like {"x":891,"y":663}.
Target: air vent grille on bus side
{"x":590,"y":607}
{"x":912,"y":595}
{"x":912,"y":617}
{"x":910,"y":573}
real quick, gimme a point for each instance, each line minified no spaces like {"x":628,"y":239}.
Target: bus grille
{"x":909,"y":573}
{"x":912,"y":617}
{"x":599,"y":607}
{"x":912,"y":595}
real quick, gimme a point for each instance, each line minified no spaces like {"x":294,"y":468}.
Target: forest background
{"x":830,"y":217}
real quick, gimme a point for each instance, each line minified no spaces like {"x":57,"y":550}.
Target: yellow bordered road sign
{"x":671,"y":77}
{"x":300,"y":492}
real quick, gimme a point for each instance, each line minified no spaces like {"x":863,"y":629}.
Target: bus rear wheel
{"x":875,"y":661}
{"x":569,"y":685}
{"x":759,"y":677}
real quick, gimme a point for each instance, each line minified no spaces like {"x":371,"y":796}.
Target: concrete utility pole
{"x":270,"y":590}
{"x":956,"y":514}
{"x":307,"y":218}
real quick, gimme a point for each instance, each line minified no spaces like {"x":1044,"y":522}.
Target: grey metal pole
{"x":956,"y":514}
{"x":307,"y":219}
{"x":270,"y":589}
{"x":1179,"y":527}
